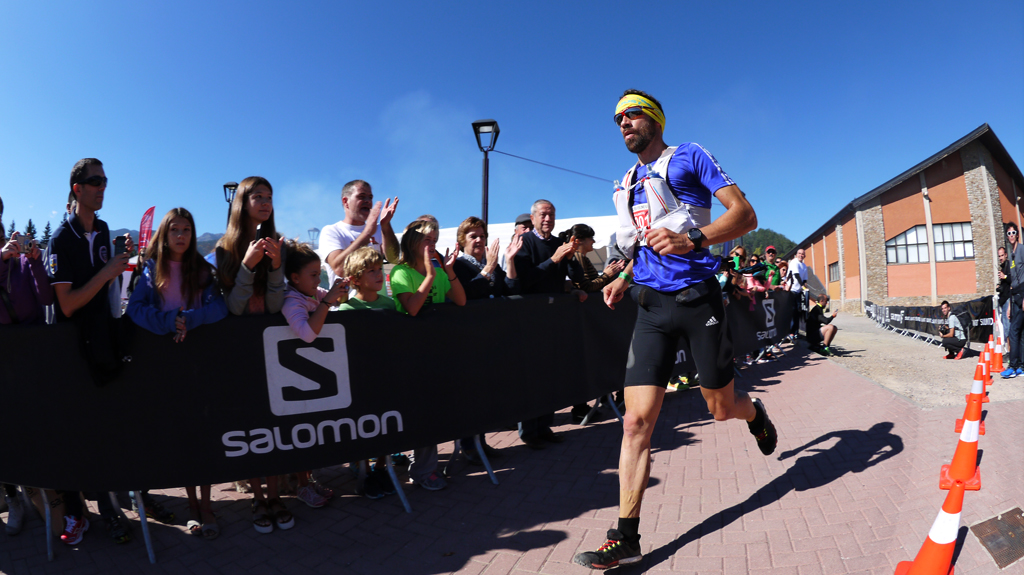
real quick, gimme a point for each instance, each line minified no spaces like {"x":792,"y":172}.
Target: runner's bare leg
{"x":729,"y":403}
{"x":643,"y":403}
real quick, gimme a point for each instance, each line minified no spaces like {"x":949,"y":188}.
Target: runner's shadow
{"x":855,"y":452}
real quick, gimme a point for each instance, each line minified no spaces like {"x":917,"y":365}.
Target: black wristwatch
{"x":696,"y":237}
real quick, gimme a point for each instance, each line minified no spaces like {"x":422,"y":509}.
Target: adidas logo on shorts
{"x":711,"y":322}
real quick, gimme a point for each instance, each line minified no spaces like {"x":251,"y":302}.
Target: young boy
{"x":365,"y":270}
{"x":305,"y":307}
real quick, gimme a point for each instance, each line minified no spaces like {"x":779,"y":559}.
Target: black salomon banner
{"x":245,"y":397}
{"x":929,"y":319}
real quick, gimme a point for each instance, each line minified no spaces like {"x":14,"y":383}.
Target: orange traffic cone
{"x":997,"y":367}
{"x":936,"y":555}
{"x":964,"y":466}
{"x":973,"y":410}
{"x":980,"y":374}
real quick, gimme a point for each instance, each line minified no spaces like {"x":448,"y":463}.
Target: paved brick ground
{"x":852,"y":488}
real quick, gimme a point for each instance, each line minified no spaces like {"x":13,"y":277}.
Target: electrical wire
{"x":551,"y":166}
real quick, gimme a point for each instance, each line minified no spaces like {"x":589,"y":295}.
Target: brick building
{"x":929,"y":234}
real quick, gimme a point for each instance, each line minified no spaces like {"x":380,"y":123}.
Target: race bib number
{"x":642,"y":221}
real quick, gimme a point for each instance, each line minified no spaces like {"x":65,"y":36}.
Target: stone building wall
{"x":974,"y":156}
{"x":874,"y":252}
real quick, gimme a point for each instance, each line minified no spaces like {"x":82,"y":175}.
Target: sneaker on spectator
{"x":118,"y":531}
{"x":154,"y":510}
{"x":310,"y":497}
{"x":15,"y":516}
{"x":1008,"y":373}
{"x":323,"y":490}
{"x":74,"y":529}
{"x":433,"y":482}
{"x":400,"y":459}
{"x":1020,"y":371}
{"x":372,"y":489}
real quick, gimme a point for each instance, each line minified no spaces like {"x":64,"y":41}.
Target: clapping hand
{"x":388,"y":211}
{"x":513,"y":247}
{"x":614,"y":267}
{"x":449,"y":260}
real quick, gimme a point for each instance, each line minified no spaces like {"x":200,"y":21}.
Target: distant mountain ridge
{"x":204,"y":243}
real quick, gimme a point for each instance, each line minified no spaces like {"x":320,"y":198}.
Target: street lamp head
{"x":314,"y":233}
{"x":229,"y":191}
{"x":489,"y":130}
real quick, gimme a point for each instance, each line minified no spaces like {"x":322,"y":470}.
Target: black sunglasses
{"x":94,"y":181}
{"x":631,"y":113}
{"x":770,"y":252}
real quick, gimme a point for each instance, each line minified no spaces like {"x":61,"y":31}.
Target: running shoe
{"x":310,"y":497}
{"x":323,"y":490}
{"x":1020,"y":371}
{"x":1008,"y":373}
{"x":767,"y":438}
{"x":433,"y":482}
{"x":118,"y":532}
{"x":74,"y":529}
{"x":154,"y":510}
{"x":615,"y":551}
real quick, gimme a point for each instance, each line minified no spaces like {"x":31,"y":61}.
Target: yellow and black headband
{"x":646,"y":106}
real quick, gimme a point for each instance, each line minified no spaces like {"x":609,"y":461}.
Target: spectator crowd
{"x":254,"y":270}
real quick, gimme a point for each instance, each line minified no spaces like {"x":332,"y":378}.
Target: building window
{"x":833,"y":272}
{"x":952,"y":242}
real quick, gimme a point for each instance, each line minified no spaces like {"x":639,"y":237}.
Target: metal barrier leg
{"x":145,"y":524}
{"x":483,"y":458}
{"x":398,"y":486}
{"x":361,"y":476}
{"x":615,"y":408}
{"x":593,"y":410}
{"x":48,"y":513}
{"x":449,"y":467}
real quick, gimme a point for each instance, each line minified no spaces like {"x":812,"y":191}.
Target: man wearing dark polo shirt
{"x":543,"y":264}
{"x":84,"y":274}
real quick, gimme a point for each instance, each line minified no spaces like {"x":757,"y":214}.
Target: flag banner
{"x":245,"y":397}
{"x":146,"y":229}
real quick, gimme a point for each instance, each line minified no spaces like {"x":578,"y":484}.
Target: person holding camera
{"x":953,"y":339}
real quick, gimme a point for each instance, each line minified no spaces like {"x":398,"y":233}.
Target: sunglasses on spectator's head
{"x":94,"y":181}
{"x":631,"y":113}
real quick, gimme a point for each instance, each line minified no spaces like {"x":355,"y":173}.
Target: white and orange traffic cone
{"x":936,"y":554}
{"x":973,"y":410}
{"x":997,"y":366}
{"x":964,"y":466}
{"x":980,"y":374}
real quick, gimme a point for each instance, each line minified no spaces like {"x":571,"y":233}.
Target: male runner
{"x":664,"y":208}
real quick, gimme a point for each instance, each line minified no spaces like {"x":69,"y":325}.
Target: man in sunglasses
{"x":85,"y":275}
{"x":665,"y":230}
{"x":1016,"y":308}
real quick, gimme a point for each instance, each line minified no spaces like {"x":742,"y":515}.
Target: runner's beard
{"x":642,"y":137}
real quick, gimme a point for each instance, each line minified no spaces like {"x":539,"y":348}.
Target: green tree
{"x":30,"y":229}
{"x":46,"y":235}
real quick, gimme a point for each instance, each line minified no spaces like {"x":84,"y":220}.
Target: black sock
{"x":757,"y":425}
{"x":630,"y":528}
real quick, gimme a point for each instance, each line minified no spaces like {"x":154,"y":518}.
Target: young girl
{"x":176,"y":293}
{"x":250,"y":267}
{"x":305,"y":307}
{"x":415,"y":283}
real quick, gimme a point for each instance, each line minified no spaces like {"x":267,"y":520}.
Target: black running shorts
{"x":662,"y":324}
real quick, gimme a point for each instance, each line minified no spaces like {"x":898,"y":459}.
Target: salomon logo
{"x":306,"y":377}
{"x":711,"y":322}
{"x":769,"y":312}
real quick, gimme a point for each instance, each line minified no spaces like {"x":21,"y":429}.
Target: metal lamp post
{"x":489,"y":130}
{"x":229,"y":195}
{"x":314,"y":234}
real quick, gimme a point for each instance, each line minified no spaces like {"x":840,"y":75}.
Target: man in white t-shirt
{"x":797,"y":278}
{"x":359,"y":228}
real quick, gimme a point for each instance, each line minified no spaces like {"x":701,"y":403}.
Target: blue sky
{"x":805,"y":104}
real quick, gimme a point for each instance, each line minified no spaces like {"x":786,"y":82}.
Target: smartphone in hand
{"x":119,"y":245}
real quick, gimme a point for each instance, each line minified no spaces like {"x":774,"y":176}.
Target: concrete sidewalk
{"x":852,"y":488}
